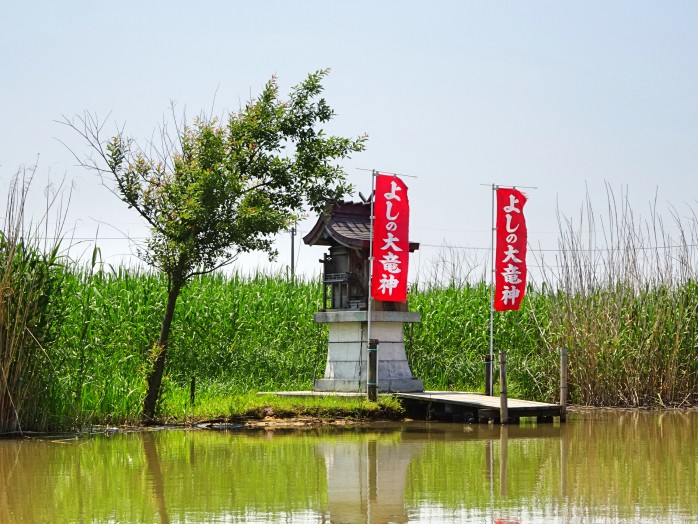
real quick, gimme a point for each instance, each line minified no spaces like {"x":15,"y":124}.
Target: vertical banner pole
{"x":293,"y":254}
{"x":372,"y":346}
{"x":494,"y":229}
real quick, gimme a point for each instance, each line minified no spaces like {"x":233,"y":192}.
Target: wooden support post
{"x":503,"y":407}
{"x":488,"y":375}
{"x":324,"y":281}
{"x":563,"y":384}
{"x":192,"y":390}
{"x":372,"y":382}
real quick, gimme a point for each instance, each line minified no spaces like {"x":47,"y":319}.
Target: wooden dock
{"x":475,"y":407}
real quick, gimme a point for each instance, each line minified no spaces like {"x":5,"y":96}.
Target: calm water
{"x":602,"y":467}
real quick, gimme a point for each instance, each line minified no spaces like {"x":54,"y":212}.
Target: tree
{"x":222,"y":187}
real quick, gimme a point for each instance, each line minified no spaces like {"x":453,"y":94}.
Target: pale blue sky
{"x":558,"y":95}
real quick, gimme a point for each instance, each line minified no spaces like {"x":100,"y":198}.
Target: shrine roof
{"x":347,"y":224}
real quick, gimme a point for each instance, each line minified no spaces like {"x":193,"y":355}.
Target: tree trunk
{"x":155,"y":376}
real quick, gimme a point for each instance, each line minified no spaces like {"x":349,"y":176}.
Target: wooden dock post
{"x":372,"y":382}
{"x":488,"y":375}
{"x":563,"y":384}
{"x":503,"y":408}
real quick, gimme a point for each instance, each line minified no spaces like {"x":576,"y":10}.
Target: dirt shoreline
{"x":305,"y":421}
{"x":298,"y":422}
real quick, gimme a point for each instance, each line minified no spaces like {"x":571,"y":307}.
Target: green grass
{"x":215,"y":402}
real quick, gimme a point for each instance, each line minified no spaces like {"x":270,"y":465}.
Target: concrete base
{"x":347,"y":351}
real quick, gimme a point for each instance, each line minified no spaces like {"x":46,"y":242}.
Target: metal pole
{"x":503,"y":407}
{"x":495,"y":187}
{"x":563,"y":384}
{"x":293,"y":254}
{"x":372,"y":352}
{"x":490,"y":392}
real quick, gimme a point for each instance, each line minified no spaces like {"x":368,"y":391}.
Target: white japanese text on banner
{"x":391,"y":246}
{"x":510,"y":252}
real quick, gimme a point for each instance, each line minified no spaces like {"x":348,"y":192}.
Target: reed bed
{"x":238,"y":334}
{"x":29,"y":277}
{"x":231,"y":335}
{"x":447,"y":348}
{"x":77,"y":340}
{"x":627,"y":306}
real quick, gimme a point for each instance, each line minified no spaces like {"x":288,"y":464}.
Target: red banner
{"x":510,"y":253}
{"x":391,"y":245}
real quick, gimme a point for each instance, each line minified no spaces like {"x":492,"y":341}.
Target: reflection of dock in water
{"x":428,"y":432}
{"x":474,"y":407}
{"x":367,"y":478}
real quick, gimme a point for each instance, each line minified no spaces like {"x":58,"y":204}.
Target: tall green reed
{"x":447,"y":348}
{"x":626,"y":305}
{"x":29,"y":275}
{"x":232,"y":334}
{"x":622,"y":298}
{"x":102,"y":344}
{"x":254,"y":333}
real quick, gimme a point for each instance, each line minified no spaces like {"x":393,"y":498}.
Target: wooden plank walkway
{"x":474,"y":407}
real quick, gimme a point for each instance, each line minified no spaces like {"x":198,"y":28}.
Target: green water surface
{"x":598,"y":467}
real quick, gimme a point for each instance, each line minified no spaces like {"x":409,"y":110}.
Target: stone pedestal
{"x":347,"y":362}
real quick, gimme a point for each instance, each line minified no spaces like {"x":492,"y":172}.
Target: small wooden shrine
{"x":345,"y":228}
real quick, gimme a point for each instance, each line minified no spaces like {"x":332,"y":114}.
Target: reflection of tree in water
{"x":155,"y":475}
{"x":366,"y":479}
